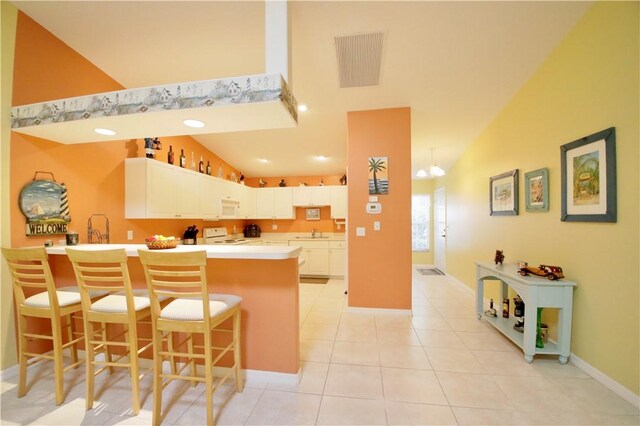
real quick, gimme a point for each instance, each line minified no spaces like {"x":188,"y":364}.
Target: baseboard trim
{"x":379,"y":311}
{"x":606,"y":381}
{"x":460,"y":284}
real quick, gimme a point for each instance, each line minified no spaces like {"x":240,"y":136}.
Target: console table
{"x":536,"y":292}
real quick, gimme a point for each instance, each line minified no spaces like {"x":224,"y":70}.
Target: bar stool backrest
{"x":176,"y":275}
{"x":30,"y":270}
{"x":101,"y":270}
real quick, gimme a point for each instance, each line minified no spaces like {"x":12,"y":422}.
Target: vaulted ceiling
{"x":456,"y":64}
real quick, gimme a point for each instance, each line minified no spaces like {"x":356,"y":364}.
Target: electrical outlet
{"x":376,"y":225}
{"x":360,"y":232}
{"x":129,"y":235}
{"x":274,"y":226}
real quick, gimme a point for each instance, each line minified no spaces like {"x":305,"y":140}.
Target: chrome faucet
{"x":313,"y":233}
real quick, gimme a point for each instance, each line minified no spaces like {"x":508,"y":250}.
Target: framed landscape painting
{"x":503,"y":194}
{"x":588,"y":168}
{"x":536,"y":190}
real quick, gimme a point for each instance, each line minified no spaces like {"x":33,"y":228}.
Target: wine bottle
{"x":201,"y":165}
{"x":170,"y":155}
{"x":183,"y":159}
{"x":208,"y":168}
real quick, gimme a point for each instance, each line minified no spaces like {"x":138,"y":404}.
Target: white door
{"x":440,"y":229}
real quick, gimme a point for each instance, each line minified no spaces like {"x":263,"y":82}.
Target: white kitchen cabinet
{"x":274,"y":203}
{"x":315,"y":255}
{"x":247,"y":198}
{"x":209,"y":193}
{"x":338,"y":202}
{"x":305,"y":196}
{"x":337,"y":258}
{"x":158,"y":190}
{"x":275,"y":242}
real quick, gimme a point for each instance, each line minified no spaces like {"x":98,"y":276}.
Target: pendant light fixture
{"x":434,"y":170}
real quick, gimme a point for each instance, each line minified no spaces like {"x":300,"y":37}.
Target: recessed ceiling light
{"x":106,"y":132}
{"x":193,"y":123}
{"x":263,"y":160}
{"x":321,"y":158}
{"x":302,"y":107}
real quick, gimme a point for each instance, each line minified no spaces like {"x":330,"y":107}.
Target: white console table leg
{"x":530,"y":323}
{"x":479,"y":298}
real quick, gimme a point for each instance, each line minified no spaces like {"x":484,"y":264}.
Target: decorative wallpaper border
{"x":209,"y":93}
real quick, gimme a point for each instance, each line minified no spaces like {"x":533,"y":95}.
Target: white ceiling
{"x":456,"y":64}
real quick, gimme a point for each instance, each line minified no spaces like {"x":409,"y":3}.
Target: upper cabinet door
{"x":187,"y":197}
{"x":209,"y":194}
{"x":264,"y":203}
{"x":283,"y":204}
{"x":161,"y":187}
{"x":338,"y":202}
{"x":304,"y":196}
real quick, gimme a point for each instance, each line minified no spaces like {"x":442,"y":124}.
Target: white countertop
{"x":213,"y":251}
{"x":275,"y":236}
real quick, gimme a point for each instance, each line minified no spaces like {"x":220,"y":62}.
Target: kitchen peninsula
{"x":265,"y":277}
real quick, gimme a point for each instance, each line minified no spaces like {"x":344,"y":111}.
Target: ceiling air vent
{"x":359,"y":59}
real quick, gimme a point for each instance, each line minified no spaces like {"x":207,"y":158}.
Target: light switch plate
{"x":376,"y":225}
{"x":360,"y":232}
{"x":274,"y":226}
{"x":129,"y":235}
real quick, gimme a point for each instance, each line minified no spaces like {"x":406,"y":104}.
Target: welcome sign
{"x":45,"y":206}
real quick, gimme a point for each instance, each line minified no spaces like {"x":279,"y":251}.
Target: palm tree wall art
{"x":378,"y":175}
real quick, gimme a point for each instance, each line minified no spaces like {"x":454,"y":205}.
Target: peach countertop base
{"x":266,"y":279}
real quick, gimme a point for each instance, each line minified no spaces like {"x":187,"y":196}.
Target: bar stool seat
{"x":192,"y":309}
{"x":66,"y":296}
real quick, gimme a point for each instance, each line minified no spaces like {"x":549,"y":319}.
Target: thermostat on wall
{"x":374,"y":208}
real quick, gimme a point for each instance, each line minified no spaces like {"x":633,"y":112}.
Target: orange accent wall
{"x":380,"y":262}
{"x":46,"y":68}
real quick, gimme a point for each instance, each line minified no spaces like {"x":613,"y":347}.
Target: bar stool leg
{"x":90,"y":332}
{"x":107,"y":348}
{"x":134,"y":369}
{"x":208,"y":374}
{"x":22,"y":328}
{"x":236,"y":350}
{"x":58,"y":367}
{"x":71,"y":334}
{"x":157,"y":378}
{"x":192,"y":359}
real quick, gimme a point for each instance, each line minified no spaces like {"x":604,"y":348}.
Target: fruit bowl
{"x":161,"y":244}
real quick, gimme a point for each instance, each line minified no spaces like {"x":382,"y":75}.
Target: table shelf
{"x":536,"y":293}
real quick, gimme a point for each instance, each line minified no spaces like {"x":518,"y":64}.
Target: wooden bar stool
{"x":107,"y":270}
{"x":30,"y":270}
{"x":182,"y":277}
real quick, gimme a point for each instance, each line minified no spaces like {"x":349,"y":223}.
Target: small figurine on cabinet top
{"x":321,"y":182}
{"x":499,"y":257}
{"x":262,"y":183}
{"x":343,"y":180}
{"x":302,"y":184}
{"x":241,"y":178}
{"x":148,"y":148}
{"x":157,"y":145}
{"x":282,"y":183}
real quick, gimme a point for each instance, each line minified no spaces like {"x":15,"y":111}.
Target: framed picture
{"x":378,"y":175}
{"x":313,"y":214}
{"x":536,"y":190}
{"x":588,"y":168}
{"x":503,"y":194}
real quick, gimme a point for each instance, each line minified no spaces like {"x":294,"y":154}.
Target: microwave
{"x":229,"y":208}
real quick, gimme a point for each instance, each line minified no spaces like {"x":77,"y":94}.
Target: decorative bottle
{"x":183,"y":159}
{"x":505,"y":308}
{"x":193,"y":162}
{"x":208,"y":168}
{"x":201,"y":165}
{"x":170,"y":155}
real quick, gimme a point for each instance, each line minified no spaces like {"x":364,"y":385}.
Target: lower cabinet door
{"x":318,"y":262}
{"x":336,"y":262}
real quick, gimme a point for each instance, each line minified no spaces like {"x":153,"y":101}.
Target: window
{"x":420,"y":214}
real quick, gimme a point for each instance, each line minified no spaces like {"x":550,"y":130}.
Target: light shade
{"x":436,"y":171}
{"x":421,"y":173}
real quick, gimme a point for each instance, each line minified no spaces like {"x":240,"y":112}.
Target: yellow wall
{"x":7,"y":328}
{"x":419,"y":187}
{"x":589,"y":83}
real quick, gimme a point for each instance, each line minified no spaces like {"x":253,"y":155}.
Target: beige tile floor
{"x":439,"y":367}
